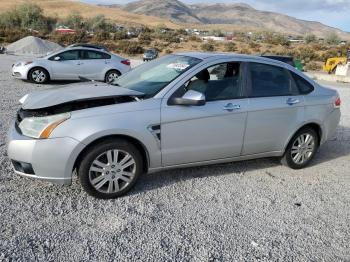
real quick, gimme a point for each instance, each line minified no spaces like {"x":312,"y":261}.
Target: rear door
{"x":67,"y":67}
{"x":191,"y":134}
{"x":275,"y":108}
{"x":93,"y":64}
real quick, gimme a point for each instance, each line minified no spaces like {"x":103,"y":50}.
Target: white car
{"x":73,"y":64}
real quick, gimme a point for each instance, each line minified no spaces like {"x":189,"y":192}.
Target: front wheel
{"x":38,"y":75}
{"x":302,"y":149}
{"x":110,"y":169}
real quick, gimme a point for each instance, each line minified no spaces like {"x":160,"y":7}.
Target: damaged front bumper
{"x":51,"y":159}
{"x":20,"y":72}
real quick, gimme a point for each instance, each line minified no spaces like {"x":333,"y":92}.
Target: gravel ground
{"x":252,"y":211}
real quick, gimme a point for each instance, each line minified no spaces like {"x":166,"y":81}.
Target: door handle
{"x":293,"y":101}
{"x":230,"y":107}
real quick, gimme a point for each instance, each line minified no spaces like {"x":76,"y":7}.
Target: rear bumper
{"x":330,"y":125}
{"x":51,"y":160}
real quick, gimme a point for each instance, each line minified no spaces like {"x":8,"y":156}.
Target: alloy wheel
{"x":39,"y":76}
{"x":303,"y":148}
{"x":112,"y":76}
{"x":112,"y":171}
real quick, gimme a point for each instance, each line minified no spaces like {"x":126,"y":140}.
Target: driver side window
{"x":68,"y":55}
{"x":218,"y":82}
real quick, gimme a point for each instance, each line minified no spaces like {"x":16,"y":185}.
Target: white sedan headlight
{"x":42,"y":127}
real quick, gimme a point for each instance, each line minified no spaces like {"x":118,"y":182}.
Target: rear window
{"x":95,"y":55}
{"x":304,"y":86}
{"x":269,"y":80}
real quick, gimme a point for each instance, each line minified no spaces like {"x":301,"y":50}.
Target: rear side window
{"x":95,"y":55}
{"x":268,"y":80}
{"x":304,"y":86}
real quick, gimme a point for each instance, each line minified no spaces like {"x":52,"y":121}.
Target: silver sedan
{"x":73,"y":64}
{"x":180,"y":110}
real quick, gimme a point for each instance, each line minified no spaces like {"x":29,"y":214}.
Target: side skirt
{"x":218,"y":161}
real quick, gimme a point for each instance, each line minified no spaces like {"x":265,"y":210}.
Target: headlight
{"x":42,"y":127}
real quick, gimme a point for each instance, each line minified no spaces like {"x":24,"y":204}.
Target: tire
{"x":301,"y":149}
{"x":111,"y":75}
{"x":38,"y":75}
{"x":106,"y":176}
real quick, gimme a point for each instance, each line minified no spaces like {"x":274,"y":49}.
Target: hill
{"x":236,"y":15}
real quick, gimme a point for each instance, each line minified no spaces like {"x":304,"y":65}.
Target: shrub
{"x":208,"y":46}
{"x":230,"y":47}
{"x":195,"y":38}
{"x":68,"y":39}
{"x":312,"y":66}
{"x":145,"y":38}
{"x":168,"y":51}
{"x":129,"y":47}
{"x":332,"y":39}
{"x":311,"y":38}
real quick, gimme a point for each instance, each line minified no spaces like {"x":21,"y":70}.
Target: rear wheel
{"x":302,"y":149}
{"x":38,"y":75}
{"x":112,"y":75}
{"x":110,"y":169}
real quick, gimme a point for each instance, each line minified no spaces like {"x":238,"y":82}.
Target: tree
{"x":100,"y":23}
{"x":74,"y":20}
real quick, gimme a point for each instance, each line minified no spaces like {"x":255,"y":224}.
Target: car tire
{"x":111,"y":75}
{"x":110,"y":169}
{"x":38,"y":75}
{"x":301,"y":149}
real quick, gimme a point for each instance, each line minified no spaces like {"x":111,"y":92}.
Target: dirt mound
{"x":31,"y":45}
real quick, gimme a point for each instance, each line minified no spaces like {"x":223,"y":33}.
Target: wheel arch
{"x":314,"y":125}
{"x":138,"y":144}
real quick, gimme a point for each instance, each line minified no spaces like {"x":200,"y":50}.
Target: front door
{"x":191,"y":134}
{"x":67,"y":67}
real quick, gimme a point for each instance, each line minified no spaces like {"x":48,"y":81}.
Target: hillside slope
{"x":62,"y":8}
{"x":236,"y":15}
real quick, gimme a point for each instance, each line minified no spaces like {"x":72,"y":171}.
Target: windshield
{"x":152,"y":77}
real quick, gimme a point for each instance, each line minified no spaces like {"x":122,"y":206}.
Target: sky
{"x":334,"y":13}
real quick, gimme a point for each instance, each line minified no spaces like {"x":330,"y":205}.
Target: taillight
{"x":337,"y":103}
{"x":126,"y":62}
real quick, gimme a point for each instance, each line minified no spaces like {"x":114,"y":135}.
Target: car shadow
{"x":335,"y":148}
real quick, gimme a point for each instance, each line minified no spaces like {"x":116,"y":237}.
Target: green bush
{"x":27,"y":16}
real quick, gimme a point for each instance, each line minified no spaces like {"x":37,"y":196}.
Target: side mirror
{"x":57,"y":58}
{"x":190,"y":98}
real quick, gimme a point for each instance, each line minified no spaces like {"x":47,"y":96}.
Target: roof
{"x":213,"y":55}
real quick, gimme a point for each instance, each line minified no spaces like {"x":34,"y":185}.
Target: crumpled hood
{"x":73,"y":92}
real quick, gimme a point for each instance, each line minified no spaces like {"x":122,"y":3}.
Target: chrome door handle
{"x":230,"y":107}
{"x":293,"y":101}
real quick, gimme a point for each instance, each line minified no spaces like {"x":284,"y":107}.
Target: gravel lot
{"x":252,"y":210}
